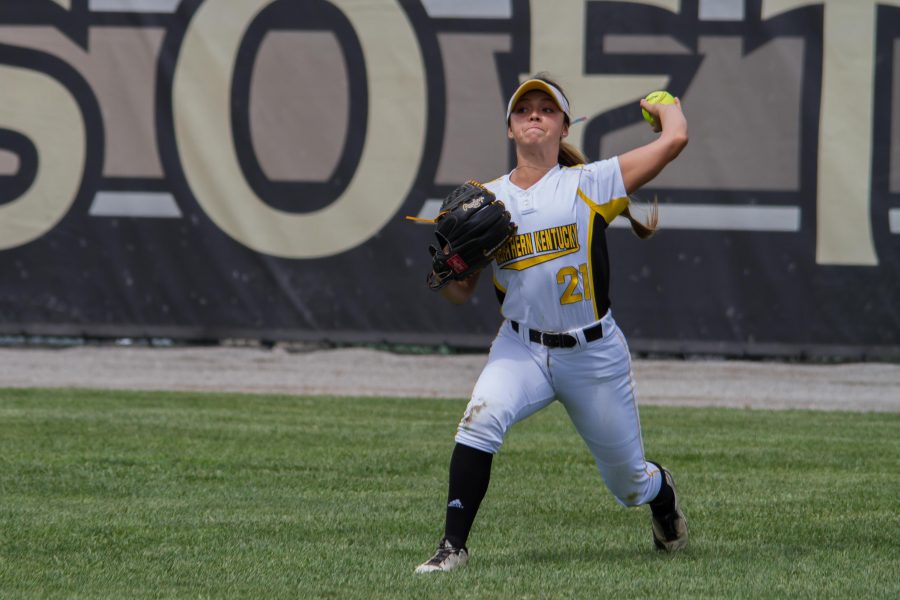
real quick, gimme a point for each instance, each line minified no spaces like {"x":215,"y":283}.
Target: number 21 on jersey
{"x":569,"y":276}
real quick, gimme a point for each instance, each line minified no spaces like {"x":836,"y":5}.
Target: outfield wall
{"x":223,"y":169}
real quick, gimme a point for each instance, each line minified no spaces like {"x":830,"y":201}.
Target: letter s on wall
{"x":45,"y":111}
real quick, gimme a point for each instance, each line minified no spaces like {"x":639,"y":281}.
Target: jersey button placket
{"x":527,"y":203}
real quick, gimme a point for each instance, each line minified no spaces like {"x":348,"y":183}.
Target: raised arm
{"x":642,"y":164}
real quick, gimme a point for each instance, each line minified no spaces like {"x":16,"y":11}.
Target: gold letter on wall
{"x":392,"y":151}
{"x":844,"y":227}
{"x":558,"y":47}
{"x":45,"y":112}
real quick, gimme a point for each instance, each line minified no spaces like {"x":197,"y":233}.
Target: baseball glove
{"x":470,"y":227}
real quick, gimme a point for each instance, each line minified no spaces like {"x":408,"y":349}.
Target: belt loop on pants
{"x":561,"y":340}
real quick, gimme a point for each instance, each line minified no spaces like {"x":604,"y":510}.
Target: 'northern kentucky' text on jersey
{"x":564,"y":237}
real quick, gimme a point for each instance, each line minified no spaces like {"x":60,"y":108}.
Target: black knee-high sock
{"x":665,"y":499}
{"x":470,"y":473}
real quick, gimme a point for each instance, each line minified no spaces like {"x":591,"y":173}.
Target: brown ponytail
{"x":644,"y":229}
{"x":569,"y":155}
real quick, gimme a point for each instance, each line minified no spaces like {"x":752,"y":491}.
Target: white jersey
{"x":554,"y":274}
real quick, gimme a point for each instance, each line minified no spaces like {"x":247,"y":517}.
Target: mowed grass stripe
{"x":140,"y":494}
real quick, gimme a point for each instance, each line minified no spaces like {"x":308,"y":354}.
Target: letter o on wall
{"x":392,"y":151}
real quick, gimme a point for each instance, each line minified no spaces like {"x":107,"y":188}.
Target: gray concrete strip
{"x":365,"y":372}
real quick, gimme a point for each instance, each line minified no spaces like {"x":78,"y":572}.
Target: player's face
{"x":536,"y":119}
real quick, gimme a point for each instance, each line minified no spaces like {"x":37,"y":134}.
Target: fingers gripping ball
{"x":658,"y":97}
{"x":470,"y":227}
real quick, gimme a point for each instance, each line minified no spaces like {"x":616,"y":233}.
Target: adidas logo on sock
{"x":455,"y":504}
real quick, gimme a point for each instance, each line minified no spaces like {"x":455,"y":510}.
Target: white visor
{"x":537,"y":84}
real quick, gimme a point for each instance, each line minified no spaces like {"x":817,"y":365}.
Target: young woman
{"x":559,"y":339}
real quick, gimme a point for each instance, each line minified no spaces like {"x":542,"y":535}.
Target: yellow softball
{"x":657,"y":97}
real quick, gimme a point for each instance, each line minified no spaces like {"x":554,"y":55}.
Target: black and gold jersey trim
{"x":500,"y":291}
{"x":598,"y":263}
{"x":608,"y":210}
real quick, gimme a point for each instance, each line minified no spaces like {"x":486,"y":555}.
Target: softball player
{"x":559,"y":339}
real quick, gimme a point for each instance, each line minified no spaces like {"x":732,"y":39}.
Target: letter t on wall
{"x":844,"y":165}
{"x":558,"y":45}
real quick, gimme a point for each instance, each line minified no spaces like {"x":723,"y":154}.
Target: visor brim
{"x":538,"y":84}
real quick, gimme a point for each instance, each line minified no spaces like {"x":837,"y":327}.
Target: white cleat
{"x":446,"y":558}
{"x":670,"y":532}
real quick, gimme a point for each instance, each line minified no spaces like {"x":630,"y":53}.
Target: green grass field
{"x":139,"y":494}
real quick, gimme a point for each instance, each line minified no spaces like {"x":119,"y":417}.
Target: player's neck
{"x":530,"y":169}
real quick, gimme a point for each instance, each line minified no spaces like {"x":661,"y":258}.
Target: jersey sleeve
{"x":601,"y":187}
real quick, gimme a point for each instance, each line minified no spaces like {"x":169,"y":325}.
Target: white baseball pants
{"x":595,"y":384}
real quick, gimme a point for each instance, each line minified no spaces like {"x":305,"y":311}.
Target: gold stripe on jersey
{"x":609,"y":210}
{"x":498,"y":285}
{"x":590,"y":267}
{"x":500,"y":292}
{"x":521,"y":265}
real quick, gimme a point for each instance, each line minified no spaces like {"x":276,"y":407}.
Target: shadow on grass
{"x":724,"y":554}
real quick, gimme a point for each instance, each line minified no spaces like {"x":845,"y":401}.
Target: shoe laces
{"x":445,"y":549}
